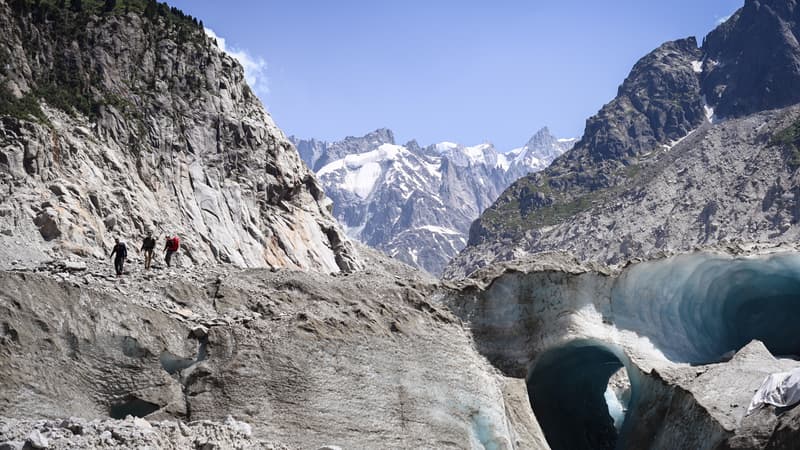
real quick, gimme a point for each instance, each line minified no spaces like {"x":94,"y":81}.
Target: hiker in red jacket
{"x":172,"y":245}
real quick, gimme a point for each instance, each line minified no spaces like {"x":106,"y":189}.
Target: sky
{"x":445,"y":70}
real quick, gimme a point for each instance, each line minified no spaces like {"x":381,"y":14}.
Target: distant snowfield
{"x":363,"y":170}
{"x":359,"y":173}
{"x":440,"y":230}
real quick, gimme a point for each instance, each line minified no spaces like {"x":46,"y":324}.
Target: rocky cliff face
{"x":115,"y":123}
{"x":687,"y":154}
{"x":413,"y":203}
{"x":752,"y":61}
{"x":657,"y":103}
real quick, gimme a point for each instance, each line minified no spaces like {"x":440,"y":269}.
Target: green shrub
{"x":25,"y":108}
{"x":67,"y":86}
{"x":789,"y":140}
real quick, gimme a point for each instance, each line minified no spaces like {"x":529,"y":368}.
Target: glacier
{"x":696,"y":335}
{"x":567,"y":389}
{"x":698,"y":308}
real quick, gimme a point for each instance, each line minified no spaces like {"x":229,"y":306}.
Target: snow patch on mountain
{"x":478,"y":154}
{"x":362,"y":170}
{"x":445,"y":146}
{"x":440,"y":230}
{"x":708,"y":109}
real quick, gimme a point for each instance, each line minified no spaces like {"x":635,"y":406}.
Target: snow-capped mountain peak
{"x":417,"y":204}
{"x":358,"y":173}
{"x":540,"y":150}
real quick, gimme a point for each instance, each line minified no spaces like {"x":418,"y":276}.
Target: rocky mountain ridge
{"x":414,"y":203}
{"x":682,"y":110}
{"x":119,"y":122}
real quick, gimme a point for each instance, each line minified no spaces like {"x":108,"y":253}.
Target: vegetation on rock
{"x":789,"y":139}
{"x":67,"y":86}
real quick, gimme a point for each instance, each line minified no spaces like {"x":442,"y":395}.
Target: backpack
{"x":149,"y":243}
{"x":122,"y":250}
{"x":174,"y":244}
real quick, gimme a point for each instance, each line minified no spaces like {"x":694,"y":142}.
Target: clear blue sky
{"x":465,"y":71}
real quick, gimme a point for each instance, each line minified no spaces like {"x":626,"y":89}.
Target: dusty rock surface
{"x":75,"y":433}
{"x":364,"y":360}
{"x":370,"y":359}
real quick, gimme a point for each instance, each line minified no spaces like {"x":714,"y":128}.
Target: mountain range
{"x":413,"y":203}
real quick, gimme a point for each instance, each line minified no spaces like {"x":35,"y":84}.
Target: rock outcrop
{"x":752,"y":61}
{"x":658,"y":102}
{"x":115,"y":123}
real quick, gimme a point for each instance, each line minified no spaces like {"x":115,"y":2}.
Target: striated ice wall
{"x":701,"y":308}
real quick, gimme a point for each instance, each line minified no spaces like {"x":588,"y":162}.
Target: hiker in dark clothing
{"x":122,"y":253}
{"x":148,"y":246}
{"x":172,"y":245}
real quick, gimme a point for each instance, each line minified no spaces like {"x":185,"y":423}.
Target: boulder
{"x":48,"y":223}
{"x":37,"y":440}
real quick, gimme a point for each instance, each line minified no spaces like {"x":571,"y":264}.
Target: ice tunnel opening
{"x":701,"y":308}
{"x":568,"y":388}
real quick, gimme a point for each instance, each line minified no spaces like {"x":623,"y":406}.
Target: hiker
{"x":148,"y":246}
{"x":172,"y":245}
{"x":122,"y":253}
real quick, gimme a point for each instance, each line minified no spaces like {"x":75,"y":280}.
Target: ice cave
{"x":701,"y":308}
{"x":567,"y":389}
{"x":696,"y":309}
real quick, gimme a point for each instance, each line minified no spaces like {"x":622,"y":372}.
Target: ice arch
{"x":566,"y":387}
{"x":699,"y":308}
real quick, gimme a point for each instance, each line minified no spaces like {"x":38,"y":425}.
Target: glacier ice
{"x":567,"y":389}
{"x":694,"y":309}
{"x":699,"y":308}
{"x":615,"y":407}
